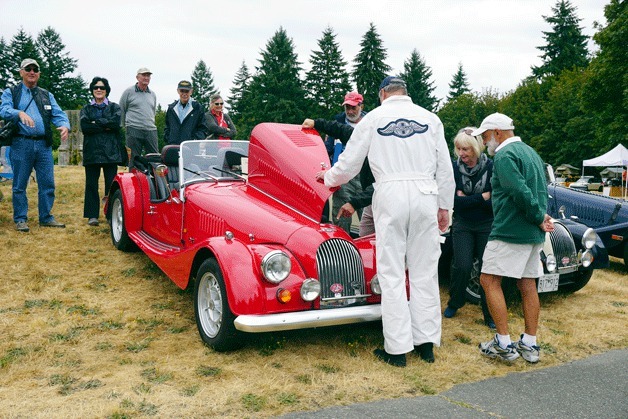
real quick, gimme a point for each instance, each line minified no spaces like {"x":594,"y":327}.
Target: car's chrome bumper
{"x":306,"y":319}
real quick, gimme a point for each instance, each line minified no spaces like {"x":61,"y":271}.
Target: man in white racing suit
{"x":414,"y":191}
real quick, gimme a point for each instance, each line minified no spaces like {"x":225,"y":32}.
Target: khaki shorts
{"x":512,"y":260}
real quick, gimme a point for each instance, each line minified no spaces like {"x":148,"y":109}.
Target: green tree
{"x":458,"y":85}
{"x":239,"y":91}
{"x":417,"y":76}
{"x":568,"y":129}
{"x":56,"y":69}
{"x":468,"y":109}
{"x":565,"y":45}
{"x":328,"y":80}
{"x":160,"y":122}
{"x":5,"y":65}
{"x":606,"y":90}
{"x":526,"y":106}
{"x":203,"y":84}
{"x":369,"y":67}
{"x":276,"y":91}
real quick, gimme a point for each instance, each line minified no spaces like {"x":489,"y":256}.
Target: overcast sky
{"x":495,"y":40}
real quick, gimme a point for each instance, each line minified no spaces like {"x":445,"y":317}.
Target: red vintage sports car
{"x":240,"y":221}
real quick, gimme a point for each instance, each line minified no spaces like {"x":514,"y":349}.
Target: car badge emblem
{"x":565,"y":260}
{"x":336,"y":289}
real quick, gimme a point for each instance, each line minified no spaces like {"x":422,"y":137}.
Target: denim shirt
{"x":59,"y":118}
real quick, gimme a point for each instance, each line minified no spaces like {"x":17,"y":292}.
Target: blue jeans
{"x":26,"y":155}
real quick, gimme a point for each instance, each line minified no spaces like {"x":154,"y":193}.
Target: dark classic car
{"x":608,"y":216}
{"x":570,"y":254}
{"x":240,"y":222}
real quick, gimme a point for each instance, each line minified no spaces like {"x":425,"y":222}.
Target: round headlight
{"x":587,"y":259}
{"x":276,"y":266}
{"x":550,"y":263}
{"x":375,"y":287}
{"x":310,"y":289}
{"x":589,"y":238}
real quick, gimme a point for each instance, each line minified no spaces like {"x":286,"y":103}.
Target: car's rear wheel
{"x":214,"y":318}
{"x":119,"y":235}
{"x":582,"y":278}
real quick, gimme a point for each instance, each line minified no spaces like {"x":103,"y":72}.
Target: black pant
{"x":469,"y":240}
{"x":91,"y":208}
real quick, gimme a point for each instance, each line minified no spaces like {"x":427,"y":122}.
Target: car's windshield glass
{"x":213,"y":160}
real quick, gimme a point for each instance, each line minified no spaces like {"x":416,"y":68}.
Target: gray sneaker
{"x":491,"y":349}
{"x":22,"y":226}
{"x":529,"y":353}
{"x":52,"y":223}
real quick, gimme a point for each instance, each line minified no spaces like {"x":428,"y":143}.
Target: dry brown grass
{"x":88,"y":331}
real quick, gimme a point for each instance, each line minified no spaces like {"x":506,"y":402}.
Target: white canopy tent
{"x":615,"y":158}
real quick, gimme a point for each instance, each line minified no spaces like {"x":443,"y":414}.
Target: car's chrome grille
{"x":563,"y":246}
{"x":340,"y":272}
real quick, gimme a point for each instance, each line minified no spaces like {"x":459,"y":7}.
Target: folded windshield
{"x":213,"y":159}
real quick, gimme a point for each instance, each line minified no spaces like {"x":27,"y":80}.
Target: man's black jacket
{"x":343,"y":133}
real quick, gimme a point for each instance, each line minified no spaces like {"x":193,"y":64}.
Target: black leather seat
{"x":170,"y":157}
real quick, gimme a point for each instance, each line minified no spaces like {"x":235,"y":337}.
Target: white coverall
{"x":413,"y":174}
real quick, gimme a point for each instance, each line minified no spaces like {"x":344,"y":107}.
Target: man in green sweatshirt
{"x":517,"y":235}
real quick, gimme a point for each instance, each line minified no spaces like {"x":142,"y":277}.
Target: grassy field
{"x":88,"y":331}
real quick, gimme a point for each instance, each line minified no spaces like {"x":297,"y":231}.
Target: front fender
{"x":247,"y":291}
{"x":600,"y":253}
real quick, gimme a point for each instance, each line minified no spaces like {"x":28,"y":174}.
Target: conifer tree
{"x":276,"y":90}
{"x":239,"y":94}
{"x":458,"y":85}
{"x":328,"y":80}
{"x":241,"y":83}
{"x":203,"y":84}
{"x":369,"y":67}
{"x":5,"y":65}
{"x":417,"y":76}
{"x":566,"y":46}
{"x":56,"y":68}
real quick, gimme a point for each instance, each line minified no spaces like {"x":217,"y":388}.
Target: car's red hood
{"x":283,"y":162}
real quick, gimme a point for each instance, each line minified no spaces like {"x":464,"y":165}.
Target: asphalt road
{"x":595,"y":387}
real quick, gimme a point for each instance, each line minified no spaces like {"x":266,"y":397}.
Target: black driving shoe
{"x":425,"y":351}
{"x":394,"y":360}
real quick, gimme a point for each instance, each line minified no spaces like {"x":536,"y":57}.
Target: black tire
{"x":119,"y":235}
{"x":509,"y":286}
{"x":473,"y":287}
{"x":214,"y":318}
{"x":582,"y":278}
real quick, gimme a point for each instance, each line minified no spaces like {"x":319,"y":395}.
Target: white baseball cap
{"x":494,"y":121}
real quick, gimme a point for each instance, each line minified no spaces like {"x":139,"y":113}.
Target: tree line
{"x":571,"y":107}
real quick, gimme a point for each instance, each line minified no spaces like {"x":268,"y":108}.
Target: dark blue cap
{"x":392,"y":80}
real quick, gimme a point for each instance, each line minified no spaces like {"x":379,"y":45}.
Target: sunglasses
{"x":33,"y":69}
{"x":218,"y":103}
{"x":99,"y":88}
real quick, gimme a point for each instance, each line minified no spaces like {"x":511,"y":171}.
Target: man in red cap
{"x":353,"y":113}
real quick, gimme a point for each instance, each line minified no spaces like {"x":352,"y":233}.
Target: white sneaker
{"x":491,"y":349}
{"x":529,"y":353}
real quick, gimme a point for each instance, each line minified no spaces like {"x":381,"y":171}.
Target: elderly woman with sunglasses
{"x":219,"y":123}
{"x":103,"y":146}
{"x":472,"y":217}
